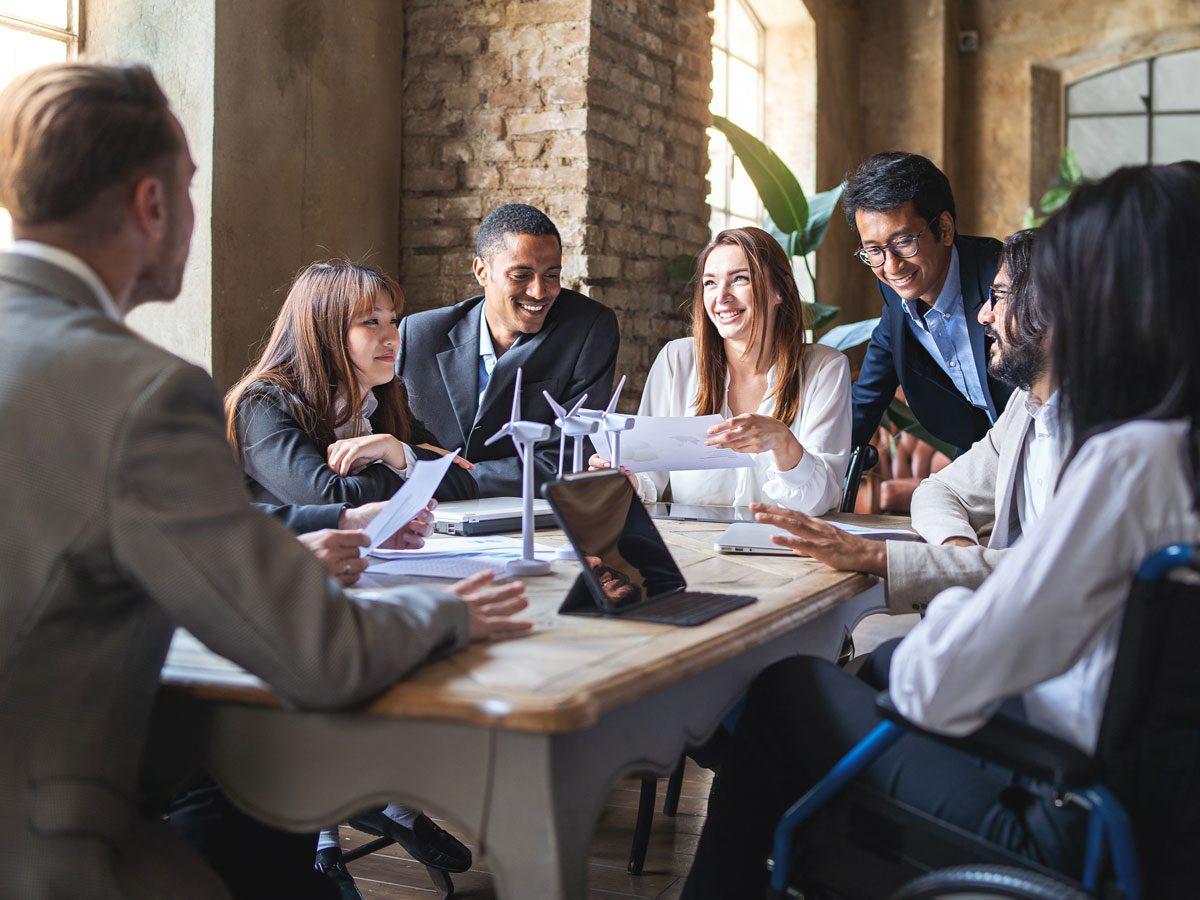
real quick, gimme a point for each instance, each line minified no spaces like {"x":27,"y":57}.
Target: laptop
{"x":627,"y":571}
{"x":695,"y":512}
{"x":755,"y":537}
{"x":492,"y":515}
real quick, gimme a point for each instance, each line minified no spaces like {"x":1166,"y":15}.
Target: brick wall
{"x":593,"y":110}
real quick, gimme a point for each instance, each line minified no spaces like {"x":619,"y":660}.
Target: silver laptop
{"x":755,"y":537}
{"x":488,"y":516}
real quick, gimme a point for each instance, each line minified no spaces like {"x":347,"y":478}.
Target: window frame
{"x":72,"y":35}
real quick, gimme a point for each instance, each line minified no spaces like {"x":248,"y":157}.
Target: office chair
{"x":862,"y":458}
{"x":1142,"y":786}
{"x":442,"y":883}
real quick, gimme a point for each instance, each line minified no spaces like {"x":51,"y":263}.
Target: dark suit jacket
{"x":895,"y":357}
{"x":575,"y":352}
{"x":283,"y":465}
{"x":306,"y":518}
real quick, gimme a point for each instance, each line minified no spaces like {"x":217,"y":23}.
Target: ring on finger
{"x":346,"y":567}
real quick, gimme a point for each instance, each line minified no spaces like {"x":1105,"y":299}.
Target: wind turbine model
{"x":576,"y":427}
{"x":613,"y":423}
{"x":524,"y":436}
{"x":572,"y":426}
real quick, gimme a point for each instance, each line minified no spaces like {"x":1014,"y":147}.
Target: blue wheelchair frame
{"x":1110,"y":831}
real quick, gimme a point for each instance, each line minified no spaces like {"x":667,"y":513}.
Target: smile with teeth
{"x":531,"y":308}
{"x":728,"y":315}
{"x":904,"y":280}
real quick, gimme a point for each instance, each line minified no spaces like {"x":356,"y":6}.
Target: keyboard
{"x":685,"y":608}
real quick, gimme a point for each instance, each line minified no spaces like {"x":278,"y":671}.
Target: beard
{"x":1018,"y":366}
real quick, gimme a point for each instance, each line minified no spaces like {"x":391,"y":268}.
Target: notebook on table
{"x":627,"y":571}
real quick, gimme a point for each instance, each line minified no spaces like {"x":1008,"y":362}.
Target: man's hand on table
{"x":836,"y":548}
{"x":410,"y":537}
{"x":491,"y":607}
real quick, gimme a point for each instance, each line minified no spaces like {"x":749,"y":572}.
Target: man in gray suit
{"x":459,"y":363}
{"x":975,"y":508}
{"x":123,"y":511}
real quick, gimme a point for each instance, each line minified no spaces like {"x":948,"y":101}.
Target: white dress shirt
{"x":822,"y":427}
{"x":68,"y":261}
{"x":1044,"y":449}
{"x":487,"y":356}
{"x":1045,"y":624}
{"x":357,"y":426}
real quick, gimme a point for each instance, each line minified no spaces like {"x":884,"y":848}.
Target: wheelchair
{"x":1141,"y":788}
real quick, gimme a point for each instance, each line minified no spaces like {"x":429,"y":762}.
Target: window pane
{"x":1102,"y":144}
{"x":1176,"y":138}
{"x":718,"y":172}
{"x":720,"y":15}
{"x":44,"y":12}
{"x":720,"y":88}
{"x":20,"y":51}
{"x":717,"y":222}
{"x":745,"y":101}
{"x":1120,"y":90}
{"x":1177,"y":81}
{"x":742,"y":222}
{"x":743,"y":198}
{"x":743,"y":31}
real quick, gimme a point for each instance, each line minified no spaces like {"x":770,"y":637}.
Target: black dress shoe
{"x":330,"y":864}
{"x":425,"y":841}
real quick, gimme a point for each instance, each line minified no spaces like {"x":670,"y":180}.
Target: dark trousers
{"x":802,"y":715}
{"x":253,"y":859}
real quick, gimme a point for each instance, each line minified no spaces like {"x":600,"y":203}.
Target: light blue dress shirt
{"x":946,"y":338}
{"x":487,"y":357}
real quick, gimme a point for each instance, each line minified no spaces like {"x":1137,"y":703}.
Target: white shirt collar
{"x":63,"y":259}
{"x":487,"y":350}
{"x":356,"y":425}
{"x":1044,"y":415}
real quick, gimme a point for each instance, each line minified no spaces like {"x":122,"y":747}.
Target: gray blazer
{"x":972,"y":498}
{"x":123,"y":516}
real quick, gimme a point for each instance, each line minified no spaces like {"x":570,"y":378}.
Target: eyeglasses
{"x":902,"y":248}
{"x":996,"y":296}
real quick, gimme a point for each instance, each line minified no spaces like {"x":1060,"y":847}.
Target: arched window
{"x":1145,"y":111}
{"x":738,"y":94}
{"x":34,"y":33}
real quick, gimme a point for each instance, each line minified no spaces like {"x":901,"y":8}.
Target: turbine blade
{"x":612,"y":404}
{"x":575,"y":408}
{"x":503,"y":432}
{"x":558,"y":410}
{"x":516,"y":407}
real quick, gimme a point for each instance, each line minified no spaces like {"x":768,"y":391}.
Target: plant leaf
{"x":820,"y":211}
{"x":1054,"y":198}
{"x":1069,"y":170}
{"x":683,"y":268}
{"x":780,"y":191}
{"x":1031,"y":219}
{"x":843,"y":337}
{"x":818,"y":315}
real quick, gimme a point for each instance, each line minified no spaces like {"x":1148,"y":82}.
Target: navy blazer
{"x":438,"y":360}
{"x":896,"y":358}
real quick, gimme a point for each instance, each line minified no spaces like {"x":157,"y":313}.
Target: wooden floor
{"x":391,"y":875}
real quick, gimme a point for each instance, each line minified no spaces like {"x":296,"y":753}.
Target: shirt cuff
{"x":798,"y":474}
{"x":410,"y":460}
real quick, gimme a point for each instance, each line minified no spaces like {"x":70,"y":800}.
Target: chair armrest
{"x":1013,"y":743}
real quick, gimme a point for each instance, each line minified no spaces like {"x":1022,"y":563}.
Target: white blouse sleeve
{"x":822,"y":427}
{"x":657,"y":400}
{"x":1052,"y":597}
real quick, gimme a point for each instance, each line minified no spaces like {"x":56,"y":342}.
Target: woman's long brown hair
{"x":770,"y":277}
{"x":307,"y":360}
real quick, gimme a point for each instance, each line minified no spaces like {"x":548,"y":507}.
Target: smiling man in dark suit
{"x":933,"y":281}
{"x":459,"y":363}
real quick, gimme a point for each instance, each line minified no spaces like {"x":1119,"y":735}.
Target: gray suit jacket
{"x":574,"y":353}
{"x":124,"y":516}
{"x":972,"y":498}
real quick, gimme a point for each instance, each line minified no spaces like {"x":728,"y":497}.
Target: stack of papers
{"x":450,"y":558}
{"x":671,"y":444}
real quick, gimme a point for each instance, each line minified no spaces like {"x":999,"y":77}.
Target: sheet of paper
{"x":447,"y":558}
{"x":509,"y":547}
{"x":416,"y":491}
{"x":671,"y":444}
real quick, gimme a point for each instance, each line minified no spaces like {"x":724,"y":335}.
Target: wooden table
{"x":518,"y":741}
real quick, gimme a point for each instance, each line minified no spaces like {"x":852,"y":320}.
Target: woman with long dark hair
{"x":321,"y":417}
{"x":1113,"y":269}
{"x":783,"y":400}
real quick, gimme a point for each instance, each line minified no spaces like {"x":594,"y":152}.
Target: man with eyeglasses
{"x":933,"y":281}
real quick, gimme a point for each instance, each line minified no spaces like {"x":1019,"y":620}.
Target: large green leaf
{"x":1069,"y":170}
{"x":780,"y":191}
{"x":820,"y":210}
{"x":1054,"y":199}
{"x":903,"y":418}
{"x":843,"y":337}
{"x":819,"y":315}
{"x":683,"y":268}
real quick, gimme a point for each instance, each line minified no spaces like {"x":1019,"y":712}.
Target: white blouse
{"x":1046,"y":624}
{"x":822,"y":427}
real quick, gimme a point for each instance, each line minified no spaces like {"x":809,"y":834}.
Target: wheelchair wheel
{"x":980,"y":881}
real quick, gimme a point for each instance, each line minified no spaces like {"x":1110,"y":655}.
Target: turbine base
{"x":527,"y":567}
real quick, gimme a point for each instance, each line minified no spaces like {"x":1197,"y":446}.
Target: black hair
{"x":889,"y":180}
{"x":1113,"y":269}
{"x":1025,"y":320}
{"x":512,"y":218}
